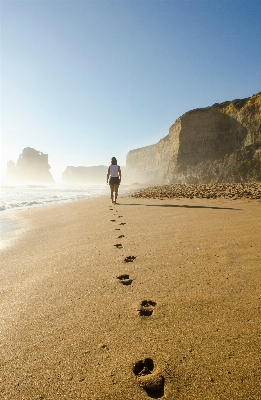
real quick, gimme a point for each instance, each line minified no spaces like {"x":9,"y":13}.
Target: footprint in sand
{"x":117,"y":229}
{"x":120,"y":216}
{"x":119,"y":245}
{"x":129,"y":259}
{"x":113,"y":220}
{"x":147,"y":308}
{"x":121,"y":236}
{"x":149,"y":377}
{"x":123,"y":223}
{"x":125,"y":279}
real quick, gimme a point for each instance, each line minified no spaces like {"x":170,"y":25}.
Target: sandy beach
{"x":146,"y":299}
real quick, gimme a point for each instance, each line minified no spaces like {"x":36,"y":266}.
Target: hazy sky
{"x":87,"y":80}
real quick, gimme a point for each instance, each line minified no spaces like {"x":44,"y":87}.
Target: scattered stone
{"x":232,"y":191}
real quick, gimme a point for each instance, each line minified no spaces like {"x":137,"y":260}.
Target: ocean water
{"x":19,"y":197}
{"x":14,"y":198}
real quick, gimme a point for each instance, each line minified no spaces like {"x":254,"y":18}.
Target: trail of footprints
{"x":148,"y":376}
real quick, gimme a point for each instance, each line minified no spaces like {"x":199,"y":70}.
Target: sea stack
{"x":32,"y":166}
{"x":88,"y":175}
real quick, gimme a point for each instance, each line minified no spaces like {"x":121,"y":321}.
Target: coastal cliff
{"x":32,"y":166}
{"x":214,"y":144}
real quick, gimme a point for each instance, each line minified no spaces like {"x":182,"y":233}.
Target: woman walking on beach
{"x":114,"y":173}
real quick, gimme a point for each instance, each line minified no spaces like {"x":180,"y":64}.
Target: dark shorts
{"x":114,"y":180}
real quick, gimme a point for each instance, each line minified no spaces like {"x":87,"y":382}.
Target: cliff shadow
{"x":182,"y":206}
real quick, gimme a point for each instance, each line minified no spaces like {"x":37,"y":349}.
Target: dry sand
{"x":70,"y":329}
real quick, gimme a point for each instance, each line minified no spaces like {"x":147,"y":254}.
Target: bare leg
{"x":112,"y":188}
{"x":116,"y":187}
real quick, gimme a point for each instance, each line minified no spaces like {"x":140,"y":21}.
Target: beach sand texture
{"x":146,"y":299}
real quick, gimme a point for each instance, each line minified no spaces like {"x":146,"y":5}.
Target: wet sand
{"x":146,"y":299}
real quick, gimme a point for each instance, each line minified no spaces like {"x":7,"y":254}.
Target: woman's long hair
{"x":113,"y":161}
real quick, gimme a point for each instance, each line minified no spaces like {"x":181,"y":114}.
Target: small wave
{"x":33,"y":203}
{"x":52,"y":200}
{"x":26,"y":197}
{"x":36,"y":186}
{"x":22,"y":204}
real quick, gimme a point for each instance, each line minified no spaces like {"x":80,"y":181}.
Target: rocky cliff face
{"x":204,"y":145}
{"x":32,"y":165}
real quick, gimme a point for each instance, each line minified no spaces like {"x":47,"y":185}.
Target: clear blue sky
{"x":87,"y":80}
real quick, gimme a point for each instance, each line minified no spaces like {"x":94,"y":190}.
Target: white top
{"x":114,"y":171}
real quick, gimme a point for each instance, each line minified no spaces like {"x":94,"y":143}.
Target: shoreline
{"x":13,"y":226}
{"x":232,"y":191}
{"x":27,"y":197}
{"x":10,"y":222}
{"x":72,"y":324}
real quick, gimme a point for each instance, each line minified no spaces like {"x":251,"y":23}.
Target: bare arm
{"x":108,"y":174}
{"x":119,"y":172}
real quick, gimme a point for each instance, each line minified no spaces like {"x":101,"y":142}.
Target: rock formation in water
{"x":89,"y":175}
{"x":32,"y":166}
{"x":221,"y":143}
{"x":95,"y":175}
